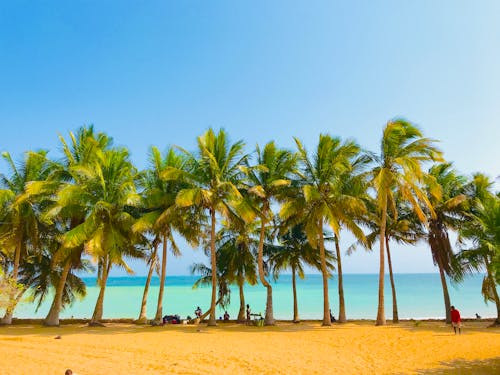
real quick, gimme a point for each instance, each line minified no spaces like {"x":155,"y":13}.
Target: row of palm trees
{"x":255,"y":215}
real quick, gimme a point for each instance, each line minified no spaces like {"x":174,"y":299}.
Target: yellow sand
{"x":307,"y":348}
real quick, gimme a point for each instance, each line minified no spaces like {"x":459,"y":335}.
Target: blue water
{"x":419,"y":296}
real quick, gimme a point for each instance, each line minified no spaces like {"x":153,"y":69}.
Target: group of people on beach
{"x":455,"y":317}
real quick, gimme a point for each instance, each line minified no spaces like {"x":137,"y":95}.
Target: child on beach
{"x":455,"y":319}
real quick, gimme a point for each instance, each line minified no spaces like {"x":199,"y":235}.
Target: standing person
{"x":248,"y":313}
{"x":455,"y":319}
{"x":198,"y":312}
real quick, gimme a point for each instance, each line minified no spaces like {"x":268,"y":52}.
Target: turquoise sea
{"x":419,"y":297}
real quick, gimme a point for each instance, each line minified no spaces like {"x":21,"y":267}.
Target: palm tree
{"x":399,"y":170}
{"x":323,"y":201}
{"x":21,"y":226}
{"x":152,"y":261}
{"x":162,"y":216}
{"x":223,"y":289}
{"x":449,"y":212}
{"x":404,"y":228}
{"x":106,"y":190}
{"x":214,"y":175}
{"x":294,"y":252}
{"x":236,"y":247}
{"x":267,"y":181}
{"x":482,"y":230}
{"x":80,"y":152}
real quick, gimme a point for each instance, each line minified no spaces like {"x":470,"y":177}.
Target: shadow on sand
{"x":462,"y":367}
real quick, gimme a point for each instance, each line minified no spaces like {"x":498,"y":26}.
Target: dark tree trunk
{"x":269,"y":317}
{"x":342,"y":316}
{"x":213,"y":258}
{"x":142,"y":319}
{"x":324,"y":272}
{"x":99,"y":307}
{"x":241,"y":312}
{"x":296,"y":318}
{"x":52,"y":318}
{"x":446,"y":295}
{"x":381,"y":308}
{"x":159,"y":306}
{"x":395,"y":316}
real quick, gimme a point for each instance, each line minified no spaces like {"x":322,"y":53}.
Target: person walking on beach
{"x":455,"y":320}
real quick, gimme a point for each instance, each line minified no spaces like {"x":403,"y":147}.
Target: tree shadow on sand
{"x":463,"y":367}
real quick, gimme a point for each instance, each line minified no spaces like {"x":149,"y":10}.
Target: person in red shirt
{"x":455,"y":319}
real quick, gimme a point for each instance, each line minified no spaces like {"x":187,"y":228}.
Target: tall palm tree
{"x":107,"y":189}
{"x":293,"y":252}
{"x":267,"y":181}
{"x":322,"y":201}
{"x":79,"y":152}
{"x":449,"y":214}
{"x":403,"y":228}
{"x":482,"y":231}
{"x":398,"y":169}
{"x":162,"y":216}
{"x":21,"y":226}
{"x":214,"y":175}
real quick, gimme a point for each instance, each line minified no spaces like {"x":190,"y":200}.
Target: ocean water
{"x":419,"y":296}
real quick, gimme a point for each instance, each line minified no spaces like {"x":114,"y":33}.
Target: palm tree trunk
{"x":294,"y":288}
{"x":269,"y":318}
{"x":324,"y":272}
{"x":213,"y":258}
{"x":494,"y":289}
{"x":9,"y":312}
{"x":383,"y":221}
{"x":159,"y":306}
{"x":395,"y":316}
{"x":446,"y":295}
{"x":342,"y":317}
{"x":52,"y":318}
{"x":241,"y":312}
{"x":142,"y":319}
{"x":99,"y":307}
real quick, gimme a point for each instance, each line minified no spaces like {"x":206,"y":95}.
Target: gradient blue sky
{"x":162,"y":72}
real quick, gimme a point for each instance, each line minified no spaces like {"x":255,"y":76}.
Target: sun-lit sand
{"x":306,"y":348}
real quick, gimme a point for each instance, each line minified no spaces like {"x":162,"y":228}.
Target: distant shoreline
{"x":21,"y":321}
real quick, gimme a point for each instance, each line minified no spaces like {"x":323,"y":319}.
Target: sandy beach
{"x":306,"y":348}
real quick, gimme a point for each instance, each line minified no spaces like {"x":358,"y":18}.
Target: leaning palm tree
{"x":106,"y":232}
{"x":267,"y":182}
{"x":398,"y":169}
{"x":21,"y":226}
{"x":161,"y":214}
{"x":321,"y":201}
{"x":449,"y":212}
{"x":213,"y":175}
{"x":482,"y":232}
{"x":293,"y":252}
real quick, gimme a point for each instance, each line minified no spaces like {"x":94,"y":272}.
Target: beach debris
{"x":58,"y":337}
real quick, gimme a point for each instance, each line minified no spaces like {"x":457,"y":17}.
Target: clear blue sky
{"x":161,"y":72}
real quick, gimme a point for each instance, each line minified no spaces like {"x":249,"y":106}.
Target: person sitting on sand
{"x":332,"y":318}
{"x":226,"y":316}
{"x":455,"y":319}
{"x":198,"y":312}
